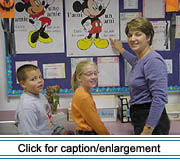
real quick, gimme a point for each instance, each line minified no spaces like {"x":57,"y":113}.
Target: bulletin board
{"x":65,"y":57}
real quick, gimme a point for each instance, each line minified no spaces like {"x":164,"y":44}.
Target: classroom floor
{"x":118,"y":128}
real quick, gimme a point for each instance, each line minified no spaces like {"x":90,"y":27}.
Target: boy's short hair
{"x":22,"y":70}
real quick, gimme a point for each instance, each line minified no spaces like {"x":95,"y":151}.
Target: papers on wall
{"x":75,"y":61}
{"x":124,"y":18}
{"x":127,"y":70}
{"x":130,"y":4}
{"x":42,"y":32}
{"x":76,"y":34}
{"x":154,"y":8}
{"x":160,"y":36}
{"x":53,"y":71}
{"x":179,"y":67}
{"x":20,"y":63}
{"x":109,"y":74}
{"x":169,"y":65}
{"x":177,"y":26}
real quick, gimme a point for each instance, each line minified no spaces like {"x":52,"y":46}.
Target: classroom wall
{"x":11,"y":103}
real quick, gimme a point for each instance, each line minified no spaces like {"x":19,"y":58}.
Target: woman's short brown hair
{"x":141,"y":24}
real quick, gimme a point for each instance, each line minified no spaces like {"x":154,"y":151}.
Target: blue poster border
{"x":98,"y":90}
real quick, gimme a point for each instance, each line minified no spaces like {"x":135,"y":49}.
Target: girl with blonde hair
{"x":84,"y":111}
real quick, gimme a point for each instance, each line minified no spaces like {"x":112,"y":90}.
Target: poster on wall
{"x":154,"y":8}
{"x":76,"y":60}
{"x":89,"y":25}
{"x":54,"y":71}
{"x":127,"y":70}
{"x":39,"y":26}
{"x":160,"y":41}
{"x":125,"y":17}
{"x":109,"y":74}
{"x":21,"y":63}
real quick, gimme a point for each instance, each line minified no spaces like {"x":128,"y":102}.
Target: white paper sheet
{"x":124,"y":18}
{"x":154,"y":8}
{"x":20,"y":63}
{"x":127,"y":69}
{"x":160,"y":36}
{"x":75,"y":61}
{"x":179,"y":67}
{"x":177,"y":26}
{"x":130,"y":4}
{"x":169,"y":65}
{"x":109,"y":74}
{"x":53,"y":71}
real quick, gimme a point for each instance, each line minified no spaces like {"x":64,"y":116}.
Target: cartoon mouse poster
{"x":39,"y":25}
{"x":90,"y":24}
{"x":93,"y":10}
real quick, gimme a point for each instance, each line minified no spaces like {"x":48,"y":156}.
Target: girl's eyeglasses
{"x":89,"y":74}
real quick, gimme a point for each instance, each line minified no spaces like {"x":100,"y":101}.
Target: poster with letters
{"x":39,"y":26}
{"x":89,"y":25}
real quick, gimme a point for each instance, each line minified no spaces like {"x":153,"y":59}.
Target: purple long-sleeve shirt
{"x":148,"y":82}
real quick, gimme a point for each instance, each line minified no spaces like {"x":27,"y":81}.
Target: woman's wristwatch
{"x":150,"y":128}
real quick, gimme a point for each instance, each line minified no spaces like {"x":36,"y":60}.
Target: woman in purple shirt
{"x":148,"y":80}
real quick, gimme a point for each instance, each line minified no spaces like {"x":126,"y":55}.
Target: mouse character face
{"x":91,"y":8}
{"x":36,"y":7}
{"x":33,"y":7}
{"x":94,"y":8}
